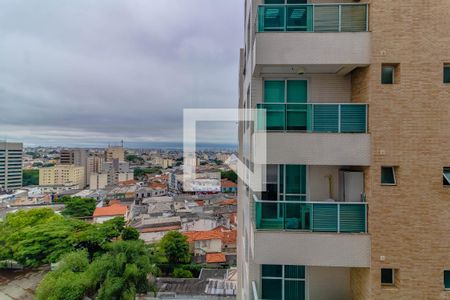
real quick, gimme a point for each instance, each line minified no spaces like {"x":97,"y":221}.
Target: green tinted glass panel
{"x":273,"y":1}
{"x":447,"y":279}
{"x":326,"y":118}
{"x":297,"y":272}
{"x":275,"y":116}
{"x":299,"y":18}
{"x":297,"y":91}
{"x":387,"y":175}
{"x":297,"y":117}
{"x":274,"y":91}
{"x":272,"y":18}
{"x":294,"y":290}
{"x":272,"y":289}
{"x":446,"y":74}
{"x":387,"y":75}
{"x":297,"y":1}
{"x":324,"y":218}
{"x":353,"y":118}
{"x":272,"y":271}
{"x":295,"y":179}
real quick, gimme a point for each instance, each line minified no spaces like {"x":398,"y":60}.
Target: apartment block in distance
{"x":62,"y":175}
{"x":10,"y":165}
{"x":354,"y":99}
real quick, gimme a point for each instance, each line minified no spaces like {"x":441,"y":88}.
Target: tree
{"x":134,"y":158}
{"x":130,"y":233}
{"x":181,"y":273}
{"x":120,"y":273}
{"x":141,"y":172}
{"x":175,"y":247}
{"x":39,"y":236}
{"x":230,"y":175}
{"x":30,"y":177}
{"x":79,"y":207}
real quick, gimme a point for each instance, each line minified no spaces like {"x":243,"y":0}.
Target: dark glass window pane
{"x":297,"y":1}
{"x":294,"y":290}
{"x":274,"y":90}
{"x":387,"y":276}
{"x":272,"y":289}
{"x":447,"y":279}
{"x":297,"y":272}
{"x":297,"y":91}
{"x":274,"y":2}
{"x":295,"y":179}
{"x":387,"y":75}
{"x":446,"y":74}
{"x":272,"y":271}
{"x":387,"y":175}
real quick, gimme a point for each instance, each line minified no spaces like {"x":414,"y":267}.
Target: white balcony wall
{"x":329,"y":283}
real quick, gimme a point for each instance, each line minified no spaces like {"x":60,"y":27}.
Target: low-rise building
{"x":98,"y":181}
{"x":103,"y":214}
{"x":62,"y":175}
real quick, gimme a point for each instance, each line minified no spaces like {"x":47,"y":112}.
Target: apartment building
{"x":112,"y":153}
{"x":354,"y":99}
{"x":11,"y":156}
{"x":77,"y":157}
{"x":62,"y":175}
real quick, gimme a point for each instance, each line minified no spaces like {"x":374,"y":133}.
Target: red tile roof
{"x":157,"y":185}
{"x":114,"y":201}
{"x":215,"y":258}
{"x":227,"y":183}
{"x":200,"y":202}
{"x":203,"y":235}
{"x":228,"y":202}
{"x":113,"y":210}
{"x":128,"y":182}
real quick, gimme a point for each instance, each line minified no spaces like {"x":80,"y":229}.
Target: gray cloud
{"x":98,"y":71}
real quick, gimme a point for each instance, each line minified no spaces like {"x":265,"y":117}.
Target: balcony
{"x":312,"y":134}
{"x":329,"y":118}
{"x":322,"y":234}
{"x":331,"y":217}
{"x":313,"y":17}
{"x":319,"y":38}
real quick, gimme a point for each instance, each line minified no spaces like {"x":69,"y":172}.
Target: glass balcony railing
{"x":313,"y":17}
{"x":338,"y":217}
{"x":334,"y":118}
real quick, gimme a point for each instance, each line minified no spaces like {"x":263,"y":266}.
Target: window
{"x":446,"y":73}
{"x":447,"y":279}
{"x":285,"y":1}
{"x":283,"y":282}
{"x":387,"y":74}
{"x":446,"y":176}
{"x":284,"y":101}
{"x":388,"y":176}
{"x":387,"y":277}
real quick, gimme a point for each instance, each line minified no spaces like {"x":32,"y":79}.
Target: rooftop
{"x":113,"y":210}
{"x":215,"y":258}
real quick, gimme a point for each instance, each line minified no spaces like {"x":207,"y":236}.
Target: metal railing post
{"x":339,"y":118}
{"x":338,"y":217}
{"x":340,"y":16}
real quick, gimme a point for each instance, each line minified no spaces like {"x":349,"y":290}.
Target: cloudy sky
{"x":86,"y":72}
